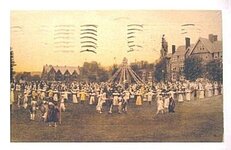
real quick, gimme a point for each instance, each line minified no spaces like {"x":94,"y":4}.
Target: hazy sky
{"x":36,"y":42}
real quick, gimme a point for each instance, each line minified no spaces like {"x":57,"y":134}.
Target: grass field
{"x":194,"y":121}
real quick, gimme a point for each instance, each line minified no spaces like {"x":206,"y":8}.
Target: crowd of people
{"x":51,"y":97}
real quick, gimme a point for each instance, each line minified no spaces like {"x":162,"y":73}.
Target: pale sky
{"x":33,"y":35}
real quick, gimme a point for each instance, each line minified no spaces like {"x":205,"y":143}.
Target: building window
{"x":201,"y":47}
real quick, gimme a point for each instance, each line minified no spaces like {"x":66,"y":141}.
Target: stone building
{"x":207,"y":49}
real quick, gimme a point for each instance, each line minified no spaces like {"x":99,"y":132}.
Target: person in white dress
{"x":138,"y":98}
{"x":55,"y":97}
{"x":201,"y":90}
{"x":11,"y":97}
{"x":221,"y":88}
{"x":166,"y":102}
{"x":17,"y":92}
{"x":115,"y":98}
{"x":171,"y":93}
{"x":207,"y":89}
{"x":65,"y":94}
{"x":180,"y":93}
{"x":78,"y":95}
{"x":192,"y":87}
{"x":215,"y":88}
{"x":99,"y":105}
{"x":125,"y":104}
{"x":43,"y":95}
{"x":25,"y":99}
{"x":159,"y":104}
{"x":74,"y":96}
{"x":210,"y":94}
{"x":50,"y":93}
{"x":33,"y":110}
{"x":62,"y":103}
{"x":187,"y":94}
{"x":132,"y":96}
{"x":150,"y":95}
{"x":126,"y":95}
{"x":92,"y":97}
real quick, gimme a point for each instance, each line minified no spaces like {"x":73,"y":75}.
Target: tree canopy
{"x":193,"y":68}
{"x":215,"y":70}
{"x":160,"y":70}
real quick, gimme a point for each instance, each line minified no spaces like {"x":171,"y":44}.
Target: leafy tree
{"x":193,"y":68}
{"x":12,"y":64}
{"x":23,"y":76}
{"x":92,"y":71}
{"x":35,"y":78}
{"x":215,"y":70}
{"x":92,"y":77}
{"x":160,"y":70}
{"x":103,"y":75}
{"x":135,"y":67}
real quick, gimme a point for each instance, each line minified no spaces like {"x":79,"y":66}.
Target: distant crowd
{"x":50,"y":98}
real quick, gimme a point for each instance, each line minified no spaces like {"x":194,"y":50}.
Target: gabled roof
{"x":180,"y":51}
{"x":47,"y":68}
{"x":62,"y":69}
{"x":189,"y":50}
{"x":211,"y":47}
{"x":207,"y":44}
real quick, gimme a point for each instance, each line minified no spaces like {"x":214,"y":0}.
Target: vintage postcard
{"x":116,"y":76}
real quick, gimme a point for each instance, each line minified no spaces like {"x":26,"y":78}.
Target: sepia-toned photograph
{"x":116,"y":76}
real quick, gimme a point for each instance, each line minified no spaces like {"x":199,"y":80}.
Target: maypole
{"x":125,"y":74}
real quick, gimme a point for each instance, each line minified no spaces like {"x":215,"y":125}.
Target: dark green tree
{"x":193,"y":68}
{"x":102,"y":75}
{"x":160,"y":70}
{"x":12,"y":64}
{"x":92,"y":71}
{"x":214,"y":70}
{"x":92,"y":77}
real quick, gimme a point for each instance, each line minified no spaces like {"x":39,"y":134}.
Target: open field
{"x":198,"y":120}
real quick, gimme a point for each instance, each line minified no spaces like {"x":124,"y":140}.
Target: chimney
{"x":173,"y":49}
{"x":187,"y":42}
{"x":211,"y":38}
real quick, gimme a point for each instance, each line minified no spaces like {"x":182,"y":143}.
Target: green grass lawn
{"x":198,"y":120}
